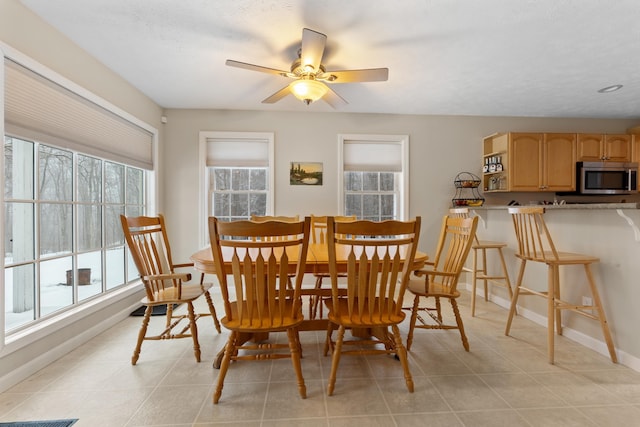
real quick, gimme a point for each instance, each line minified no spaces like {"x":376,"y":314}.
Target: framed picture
{"x":305,"y":173}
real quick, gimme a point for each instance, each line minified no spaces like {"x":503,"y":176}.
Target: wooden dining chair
{"x":379,"y":258}
{"x":256,"y":297}
{"x":148,"y":245}
{"x":283,"y":218}
{"x":319,"y":237}
{"x":535,"y":245}
{"x":479,"y":270}
{"x":441,"y":278}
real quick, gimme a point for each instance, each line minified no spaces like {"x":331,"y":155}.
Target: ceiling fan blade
{"x":354,"y":76}
{"x":313,"y":44}
{"x":251,"y":67}
{"x":277,"y":96}
{"x":333,"y":99}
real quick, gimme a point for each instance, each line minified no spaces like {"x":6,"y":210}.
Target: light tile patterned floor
{"x":502,"y":381}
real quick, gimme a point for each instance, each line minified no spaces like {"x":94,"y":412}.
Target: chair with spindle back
{"x":283,"y":218}
{"x":319,"y":237}
{"x":480,"y":271}
{"x":535,"y":245}
{"x":257,"y":298}
{"x":379,"y":257}
{"x":441,"y":278}
{"x":148,"y":245}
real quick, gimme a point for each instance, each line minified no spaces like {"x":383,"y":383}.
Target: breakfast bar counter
{"x":588,"y":206}
{"x":608,"y":231}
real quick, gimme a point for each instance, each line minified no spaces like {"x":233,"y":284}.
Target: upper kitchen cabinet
{"x":495,"y":159}
{"x":530,"y":162}
{"x":559,"y":167}
{"x":635,"y":144}
{"x":604,"y":148}
{"x":543,"y":162}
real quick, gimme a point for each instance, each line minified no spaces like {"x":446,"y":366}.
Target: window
{"x":237,"y":193}
{"x":374,"y":176}
{"x":237,"y":177}
{"x":371,"y":195}
{"x":72,"y":163}
{"x":63,"y":239}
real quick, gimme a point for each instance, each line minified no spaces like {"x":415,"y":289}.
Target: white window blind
{"x":42,"y":110}
{"x":237,"y":152}
{"x":372,"y":156}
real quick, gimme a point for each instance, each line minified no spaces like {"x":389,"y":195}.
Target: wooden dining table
{"x":317,"y":259}
{"x":317,"y":262}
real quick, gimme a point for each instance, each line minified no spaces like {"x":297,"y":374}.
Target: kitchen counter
{"x":588,"y":206}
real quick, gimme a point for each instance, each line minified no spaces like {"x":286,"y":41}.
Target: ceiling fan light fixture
{"x":307,"y":90}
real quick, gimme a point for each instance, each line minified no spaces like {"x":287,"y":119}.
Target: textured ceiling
{"x":542,"y":58}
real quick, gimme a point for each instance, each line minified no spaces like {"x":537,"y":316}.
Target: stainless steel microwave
{"x":607,"y":177}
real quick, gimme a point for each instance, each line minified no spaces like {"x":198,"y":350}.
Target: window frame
{"x":15,"y":341}
{"x":402,"y":141}
{"x":76,"y":251}
{"x":203,"y":202}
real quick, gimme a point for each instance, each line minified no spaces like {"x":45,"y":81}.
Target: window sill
{"x":16,"y":341}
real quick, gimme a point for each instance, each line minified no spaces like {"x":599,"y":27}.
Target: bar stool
{"x":480,"y":272}
{"x":535,"y":245}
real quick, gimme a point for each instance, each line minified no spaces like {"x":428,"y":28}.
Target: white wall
{"x":439,"y":148}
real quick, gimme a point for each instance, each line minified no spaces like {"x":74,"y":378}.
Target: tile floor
{"x":502,"y":381}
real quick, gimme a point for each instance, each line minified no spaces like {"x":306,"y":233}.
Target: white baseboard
{"x":577,"y":336}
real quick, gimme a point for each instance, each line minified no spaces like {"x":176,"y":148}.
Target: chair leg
{"x":506,"y":273}
{"x":412,"y":321}
{"x":516,"y":294}
{"x":550,"y":312}
{"x":229,"y":350}
{"x":315,"y":301}
{"x":456,"y":312}
{"x":169,"y":315}
{"x":294,"y":347}
{"x":601,"y":316}
{"x":401,"y":352}
{"x":556,"y":296}
{"x":327,"y":343}
{"x":194,"y":330}
{"x":212,"y":310}
{"x":335,"y":360}
{"x":474,"y":278}
{"x":485,"y":281}
{"x":141,"y":334}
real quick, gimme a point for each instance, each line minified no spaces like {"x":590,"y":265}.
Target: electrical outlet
{"x":587,"y":301}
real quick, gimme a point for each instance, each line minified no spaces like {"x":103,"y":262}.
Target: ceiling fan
{"x":310,"y":74}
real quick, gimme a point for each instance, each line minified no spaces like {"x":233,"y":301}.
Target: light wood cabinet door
{"x":559,"y":162}
{"x":525,"y":159}
{"x":542,"y":162}
{"x":604,"y":148}
{"x":617,"y":148}
{"x":590,"y":147}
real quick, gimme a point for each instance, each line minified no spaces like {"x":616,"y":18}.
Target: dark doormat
{"x":51,"y":423}
{"x":158,"y":310}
